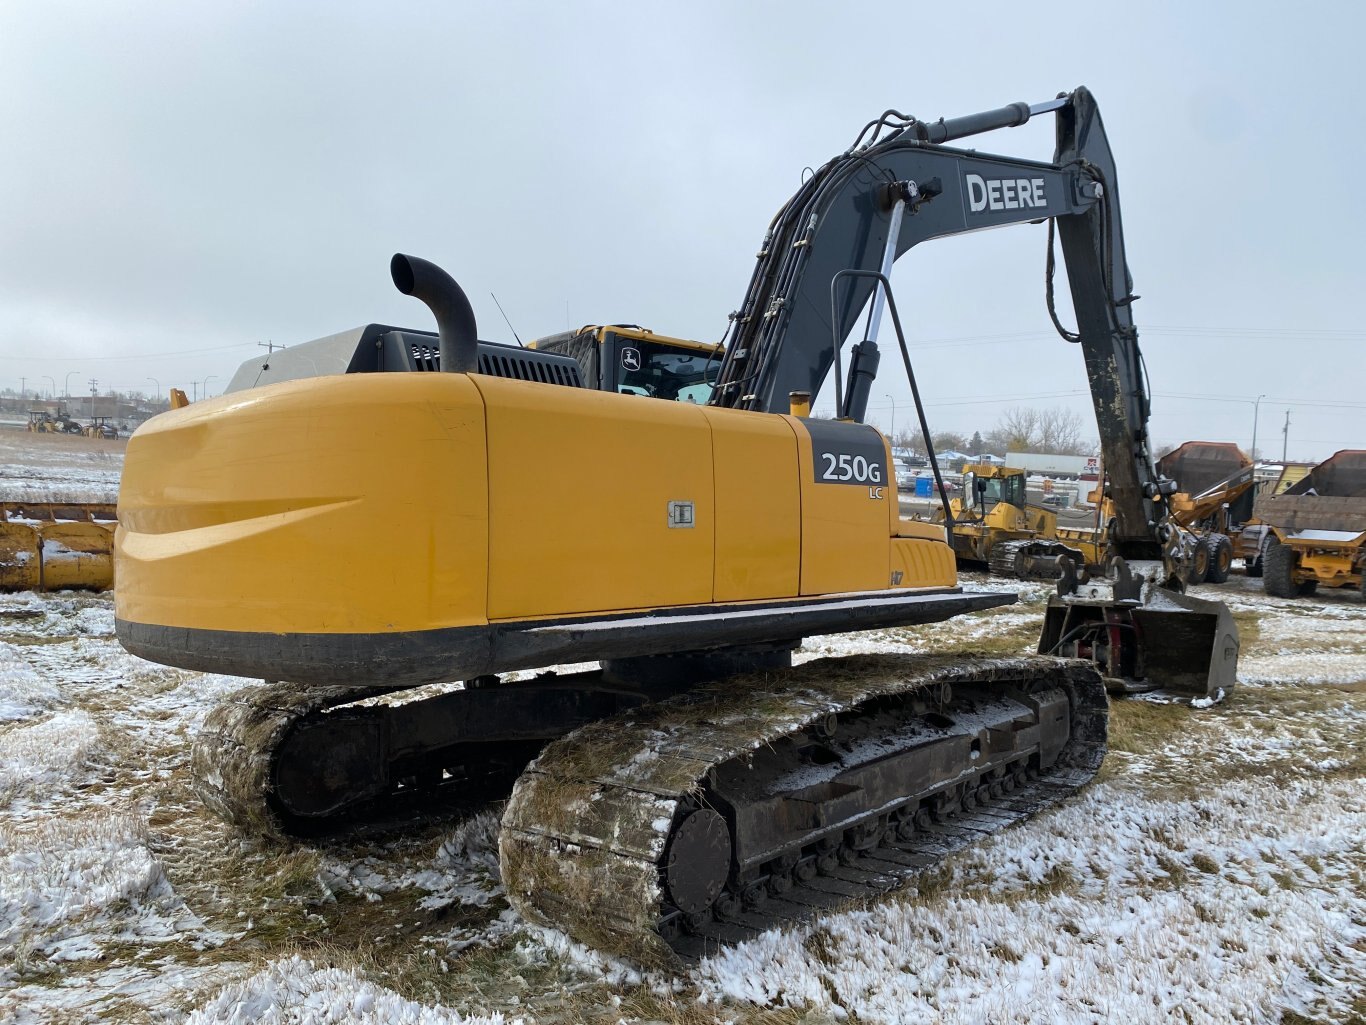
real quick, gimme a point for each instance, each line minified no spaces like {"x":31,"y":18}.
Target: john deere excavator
{"x":532,"y":517}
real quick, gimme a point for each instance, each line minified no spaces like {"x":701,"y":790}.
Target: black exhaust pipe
{"x":450,"y":306}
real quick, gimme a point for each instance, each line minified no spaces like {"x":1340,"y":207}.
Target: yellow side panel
{"x":845,"y":525}
{"x":580,"y":484}
{"x":758,"y":506}
{"x":922,"y":528}
{"x":922,"y":563}
{"x":352,"y":503}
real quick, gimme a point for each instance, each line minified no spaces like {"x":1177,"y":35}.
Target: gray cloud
{"x":182,"y":178}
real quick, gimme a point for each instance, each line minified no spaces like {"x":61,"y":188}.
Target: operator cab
{"x":631,"y":360}
{"x":986,"y":491}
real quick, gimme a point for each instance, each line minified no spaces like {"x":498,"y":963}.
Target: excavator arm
{"x":822,"y":261}
{"x":783,"y":336}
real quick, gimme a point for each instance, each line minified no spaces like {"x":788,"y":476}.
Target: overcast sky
{"x":180,"y":182}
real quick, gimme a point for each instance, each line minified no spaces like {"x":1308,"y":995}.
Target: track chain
{"x":588,"y":827}
{"x":232,"y":761}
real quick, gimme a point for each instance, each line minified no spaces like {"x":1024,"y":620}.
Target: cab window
{"x":648,"y":368}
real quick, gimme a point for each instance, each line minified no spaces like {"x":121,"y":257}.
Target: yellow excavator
{"x":393,"y":508}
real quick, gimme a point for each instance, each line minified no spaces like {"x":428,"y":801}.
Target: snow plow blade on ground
{"x":55,"y":546}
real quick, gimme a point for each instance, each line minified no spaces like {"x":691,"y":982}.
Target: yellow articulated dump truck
{"x":55,"y":546}
{"x":1216,"y":486}
{"x":1317,"y":529}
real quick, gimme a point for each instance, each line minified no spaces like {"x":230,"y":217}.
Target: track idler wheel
{"x":698,"y":861}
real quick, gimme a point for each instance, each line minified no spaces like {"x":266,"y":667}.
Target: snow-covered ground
{"x":1215,"y":872}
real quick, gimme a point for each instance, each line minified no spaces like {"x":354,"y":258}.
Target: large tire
{"x":1220,"y":549}
{"x":1278,"y":567}
{"x":1200,"y":563}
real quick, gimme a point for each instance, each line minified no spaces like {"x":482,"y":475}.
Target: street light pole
{"x":158,"y":384}
{"x":53,"y":393}
{"x":66,"y":385}
{"x":1256,"y":406}
{"x":893,"y":402}
{"x":211,"y":377}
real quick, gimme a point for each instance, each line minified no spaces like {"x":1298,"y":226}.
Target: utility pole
{"x":23,"y":381}
{"x":269,"y":346}
{"x":94,"y":389}
{"x":1256,"y":406}
{"x":1285,"y":435}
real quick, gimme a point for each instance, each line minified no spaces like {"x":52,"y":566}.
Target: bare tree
{"x":1016,"y":431}
{"x":1060,"y":430}
{"x":946,"y":440}
{"x":1026,"y":429}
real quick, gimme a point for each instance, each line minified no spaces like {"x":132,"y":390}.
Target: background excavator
{"x":664,"y":812}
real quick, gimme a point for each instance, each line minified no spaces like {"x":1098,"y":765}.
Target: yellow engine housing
{"x":400,"y":505}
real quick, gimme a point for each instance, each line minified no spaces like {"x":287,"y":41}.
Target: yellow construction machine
{"x":55,"y":546}
{"x":1316,"y":529}
{"x":44,"y":421}
{"x":102,"y":427}
{"x":995,"y":524}
{"x":1217,"y":483}
{"x":991,"y":509}
{"x":690,"y":787}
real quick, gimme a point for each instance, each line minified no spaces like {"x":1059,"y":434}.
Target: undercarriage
{"x":658,"y":818}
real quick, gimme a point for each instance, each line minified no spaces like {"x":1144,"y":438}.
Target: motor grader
{"x":691,"y":786}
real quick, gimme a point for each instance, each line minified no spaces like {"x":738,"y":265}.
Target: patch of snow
{"x":1262,"y":905}
{"x":68,"y":887}
{"x":296,"y":990}
{"x":38,"y":756}
{"x":22,"y":691}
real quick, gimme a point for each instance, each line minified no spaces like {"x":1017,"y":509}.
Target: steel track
{"x":591,"y":832}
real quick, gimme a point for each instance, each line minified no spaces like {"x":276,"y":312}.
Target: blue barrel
{"x":924,"y":487}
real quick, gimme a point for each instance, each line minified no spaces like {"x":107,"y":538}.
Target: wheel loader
{"x":453,"y":510}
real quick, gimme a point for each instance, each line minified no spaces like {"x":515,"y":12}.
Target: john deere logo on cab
{"x":1004,"y":193}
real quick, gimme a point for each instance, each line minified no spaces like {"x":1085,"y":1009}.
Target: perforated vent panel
{"x":504,"y":361}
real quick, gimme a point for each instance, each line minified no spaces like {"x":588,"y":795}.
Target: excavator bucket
{"x":1165,"y":641}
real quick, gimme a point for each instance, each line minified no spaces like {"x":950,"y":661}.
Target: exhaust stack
{"x":450,"y":306}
